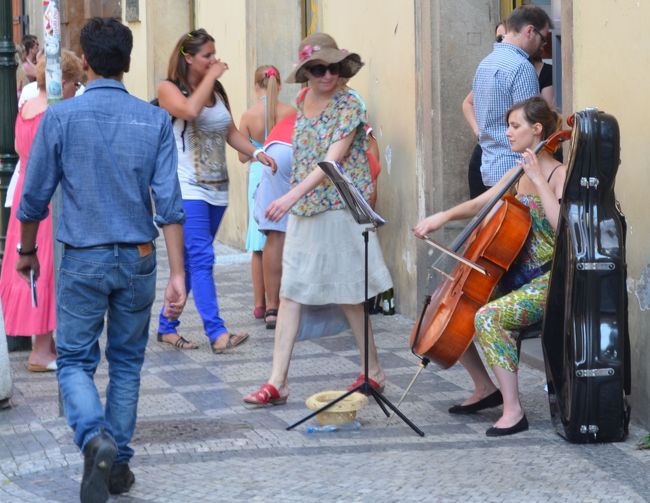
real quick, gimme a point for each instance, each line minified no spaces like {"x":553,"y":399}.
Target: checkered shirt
{"x":503,"y":78}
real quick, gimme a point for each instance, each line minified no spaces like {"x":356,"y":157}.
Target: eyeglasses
{"x":542,"y":37}
{"x":320,"y":70}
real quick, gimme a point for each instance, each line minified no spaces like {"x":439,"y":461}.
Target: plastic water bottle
{"x":388,"y":302}
{"x":353,"y":425}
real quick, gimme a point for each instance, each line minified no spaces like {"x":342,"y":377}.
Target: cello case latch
{"x":595,"y":372}
{"x":589,"y":182}
{"x":595,"y":266}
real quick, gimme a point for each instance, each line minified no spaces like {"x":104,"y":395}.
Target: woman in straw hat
{"x":323,"y":261}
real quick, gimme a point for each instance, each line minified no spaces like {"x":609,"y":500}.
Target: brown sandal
{"x":234,"y":340}
{"x":271,"y":318}
{"x":180,"y":343}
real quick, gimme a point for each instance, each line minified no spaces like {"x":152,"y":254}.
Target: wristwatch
{"x":23,"y":253}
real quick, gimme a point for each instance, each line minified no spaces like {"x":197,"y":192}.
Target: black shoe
{"x":121,"y":479}
{"x":522,"y":425}
{"x":493,"y":400}
{"x":99,"y":455}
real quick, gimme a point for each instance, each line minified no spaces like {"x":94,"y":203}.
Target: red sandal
{"x":266,"y":395}
{"x":373,"y":384}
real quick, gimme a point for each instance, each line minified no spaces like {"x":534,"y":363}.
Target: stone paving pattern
{"x":196,"y":440}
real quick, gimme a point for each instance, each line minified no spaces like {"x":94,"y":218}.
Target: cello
{"x":491,"y":242}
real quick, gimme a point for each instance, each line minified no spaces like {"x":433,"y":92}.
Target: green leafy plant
{"x":644,"y":443}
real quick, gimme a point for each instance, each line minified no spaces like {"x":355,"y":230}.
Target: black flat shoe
{"x":99,"y":455}
{"x":493,"y":400}
{"x":522,"y":425}
{"x":121,"y":479}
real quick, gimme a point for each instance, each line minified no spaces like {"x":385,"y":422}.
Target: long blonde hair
{"x":268,"y":77}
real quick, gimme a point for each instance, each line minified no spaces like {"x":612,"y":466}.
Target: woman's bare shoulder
{"x":32,"y":107}
{"x":285,"y":110}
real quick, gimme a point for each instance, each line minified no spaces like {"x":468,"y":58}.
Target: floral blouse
{"x":537,"y":251}
{"x":311,"y":140}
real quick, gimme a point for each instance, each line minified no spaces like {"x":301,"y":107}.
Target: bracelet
{"x":257,"y":152}
{"x":23,"y":253}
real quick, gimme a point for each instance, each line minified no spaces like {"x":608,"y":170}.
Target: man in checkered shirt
{"x":503,"y":78}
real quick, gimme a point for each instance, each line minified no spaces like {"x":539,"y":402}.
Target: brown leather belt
{"x":144,"y":249}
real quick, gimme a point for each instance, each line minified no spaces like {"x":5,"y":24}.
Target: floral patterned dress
{"x":323,"y":257}
{"x":498,"y":323}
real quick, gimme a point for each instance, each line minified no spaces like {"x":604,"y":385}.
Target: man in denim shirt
{"x":503,"y":78}
{"x":110,"y":152}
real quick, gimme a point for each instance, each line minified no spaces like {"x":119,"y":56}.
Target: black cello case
{"x":585,"y":334}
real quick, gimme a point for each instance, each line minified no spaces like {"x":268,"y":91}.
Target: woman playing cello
{"x":521,"y":295}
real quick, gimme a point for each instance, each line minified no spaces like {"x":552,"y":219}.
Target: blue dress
{"x":255,"y":240}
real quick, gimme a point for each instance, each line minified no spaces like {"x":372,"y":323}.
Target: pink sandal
{"x":266,"y":395}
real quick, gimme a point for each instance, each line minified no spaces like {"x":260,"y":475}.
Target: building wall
{"x":452,"y":38}
{"x":170,"y":21}
{"x":384,"y":38}
{"x":226,"y":21}
{"x":160,"y":25}
{"x":139,"y":80}
{"x":610,"y":78}
{"x":268,"y":45}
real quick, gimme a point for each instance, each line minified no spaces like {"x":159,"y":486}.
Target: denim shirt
{"x":112,"y":153}
{"x":503,"y":78}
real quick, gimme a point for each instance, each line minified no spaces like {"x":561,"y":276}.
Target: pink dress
{"x":19,"y":316}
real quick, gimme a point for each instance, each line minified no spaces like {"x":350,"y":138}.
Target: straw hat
{"x":322,"y":47}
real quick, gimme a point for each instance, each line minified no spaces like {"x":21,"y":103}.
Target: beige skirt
{"x":323,"y":260}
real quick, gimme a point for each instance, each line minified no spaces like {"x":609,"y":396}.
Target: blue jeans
{"x":118,"y":283}
{"x":200,"y":228}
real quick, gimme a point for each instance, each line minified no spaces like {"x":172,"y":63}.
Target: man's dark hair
{"x":528,"y":14}
{"x":106,"y":44}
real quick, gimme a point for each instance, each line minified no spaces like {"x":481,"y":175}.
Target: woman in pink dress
{"x":20,"y":317}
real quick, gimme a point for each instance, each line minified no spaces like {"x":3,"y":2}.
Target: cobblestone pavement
{"x":196,"y":441}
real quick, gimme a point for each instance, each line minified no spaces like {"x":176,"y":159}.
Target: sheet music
{"x":354,"y":200}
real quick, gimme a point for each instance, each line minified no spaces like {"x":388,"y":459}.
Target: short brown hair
{"x":536,"y":110}
{"x":528,"y":14}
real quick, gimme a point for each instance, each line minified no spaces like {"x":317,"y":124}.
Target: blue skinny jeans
{"x":200,"y":228}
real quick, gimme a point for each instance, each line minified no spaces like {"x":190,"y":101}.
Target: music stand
{"x":363,"y":214}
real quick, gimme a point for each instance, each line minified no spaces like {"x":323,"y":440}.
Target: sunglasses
{"x":320,"y":70}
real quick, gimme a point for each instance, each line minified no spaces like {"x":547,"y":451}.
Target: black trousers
{"x":476,"y":187}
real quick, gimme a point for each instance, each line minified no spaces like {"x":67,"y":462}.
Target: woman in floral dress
{"x":524,"y":287}
{"x":323,"y":260}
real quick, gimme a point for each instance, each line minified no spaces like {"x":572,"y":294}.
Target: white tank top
{"x":202,"y":169}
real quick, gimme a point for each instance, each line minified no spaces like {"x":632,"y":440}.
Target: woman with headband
{"x":202,"y":124}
